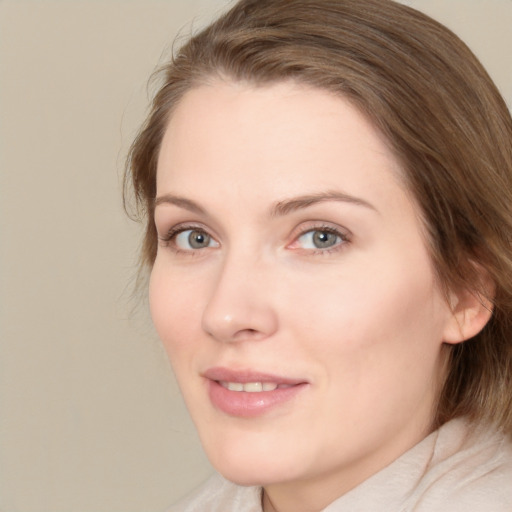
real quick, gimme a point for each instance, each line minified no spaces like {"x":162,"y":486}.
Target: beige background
{"x":90,"y":417}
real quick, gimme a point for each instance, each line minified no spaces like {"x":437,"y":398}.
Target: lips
{"x":248,"y":394}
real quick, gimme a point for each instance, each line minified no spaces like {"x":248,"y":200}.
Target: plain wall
{"x":90,"y":416}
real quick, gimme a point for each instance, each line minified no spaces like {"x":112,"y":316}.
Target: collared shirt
{"x":454,"y":469}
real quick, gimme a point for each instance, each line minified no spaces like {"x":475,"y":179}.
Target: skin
{"x":362,"y":321}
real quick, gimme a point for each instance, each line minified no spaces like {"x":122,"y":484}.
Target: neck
{"x":266,"y":504}
{"x":289,"y":498}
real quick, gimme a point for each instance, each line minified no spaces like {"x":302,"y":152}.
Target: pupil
{"x":197,"y":240}
{"x":323,"y":239}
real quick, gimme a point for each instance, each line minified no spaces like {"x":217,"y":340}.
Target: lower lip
{"x":250,"y":405}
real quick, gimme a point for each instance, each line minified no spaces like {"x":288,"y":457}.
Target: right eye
{"x":192,"y":239}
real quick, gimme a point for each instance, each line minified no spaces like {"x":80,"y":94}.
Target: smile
{"x":247,"y":394}
{"x":252,"y":387}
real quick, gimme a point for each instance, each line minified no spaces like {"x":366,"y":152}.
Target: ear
{"x":470,"y":310}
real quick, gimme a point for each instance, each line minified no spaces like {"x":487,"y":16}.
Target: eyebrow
{"x":181,"y":202}
{"x":278,"y":209}
{"x":297,"y":203}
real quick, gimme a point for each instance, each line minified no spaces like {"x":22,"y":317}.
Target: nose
{"x":241,"y":305}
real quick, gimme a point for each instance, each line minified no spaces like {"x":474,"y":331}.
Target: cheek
{"x":175,"y":312}
{"x":372,"y":315}
{"x":377,"y":339}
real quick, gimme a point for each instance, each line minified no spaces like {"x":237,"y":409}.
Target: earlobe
{"x":470,"y":312}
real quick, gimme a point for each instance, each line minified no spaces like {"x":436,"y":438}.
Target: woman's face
{"x":292,"y":287}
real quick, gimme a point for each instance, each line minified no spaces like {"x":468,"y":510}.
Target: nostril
{"x":248,"y":334}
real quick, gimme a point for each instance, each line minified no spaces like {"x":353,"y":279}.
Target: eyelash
{"x":169,"y":240}
{"x":323,"y":228}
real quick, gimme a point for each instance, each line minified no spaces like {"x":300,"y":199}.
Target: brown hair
{"x":442,"y":116}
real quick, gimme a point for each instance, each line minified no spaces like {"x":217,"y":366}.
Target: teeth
{"x":253,"y":387}
{"x":249,"y":387}
{"x":235,"y":386}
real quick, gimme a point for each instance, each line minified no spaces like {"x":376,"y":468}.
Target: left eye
{"x":191,"y":239}
{"x":319,"y":239}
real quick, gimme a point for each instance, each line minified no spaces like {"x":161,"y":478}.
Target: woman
{"x":327,"y":186}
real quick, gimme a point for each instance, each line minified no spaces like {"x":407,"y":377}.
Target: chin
{"x":253,"y":476}
{"x":251,"y":465}
{"x":247,"y":480}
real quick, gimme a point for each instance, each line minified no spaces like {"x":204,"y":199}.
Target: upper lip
{"x":221,"y":374}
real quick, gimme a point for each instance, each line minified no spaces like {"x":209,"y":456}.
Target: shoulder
{"x":470,"y":471}
{"x":219,"y":495}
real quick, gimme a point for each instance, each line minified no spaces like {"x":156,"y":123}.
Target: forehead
{"x":281,"y":139}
